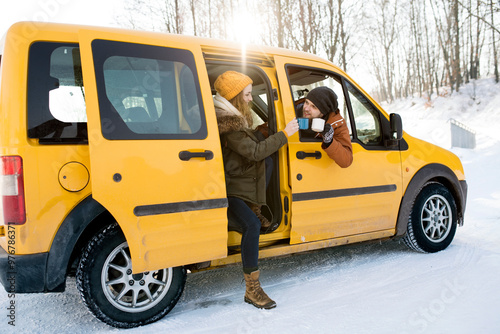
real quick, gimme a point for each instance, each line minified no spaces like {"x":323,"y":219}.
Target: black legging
{"x":242,"y":219}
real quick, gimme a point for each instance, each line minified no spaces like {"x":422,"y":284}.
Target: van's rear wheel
{"x":433,"y":221}
{"x":115,"y":295}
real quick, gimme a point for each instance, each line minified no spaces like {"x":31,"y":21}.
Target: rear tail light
{"x":12,"y":188}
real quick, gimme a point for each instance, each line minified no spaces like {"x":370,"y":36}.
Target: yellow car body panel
{"x":425,"y":153}
{"x":173,"y":211}
{"x":151,"y":173}
{"x":47,"y":203}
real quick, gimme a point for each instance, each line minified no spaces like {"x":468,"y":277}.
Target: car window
{"x":366,"y":117}
{"x":259,"y":109}
{"x":147,"y":92}
{"x":56,"y":96}
{"x":302,"y":81}
{"x":67,"y":100}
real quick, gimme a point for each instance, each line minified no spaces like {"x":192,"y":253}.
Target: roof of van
{"x":207,"y":44}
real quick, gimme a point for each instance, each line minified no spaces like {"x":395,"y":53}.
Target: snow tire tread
{"x":83,"y":282}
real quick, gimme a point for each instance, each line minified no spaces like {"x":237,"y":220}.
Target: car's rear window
{"x":56,"y":96}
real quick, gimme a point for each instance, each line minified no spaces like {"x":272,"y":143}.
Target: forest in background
{"x":410,"y":47}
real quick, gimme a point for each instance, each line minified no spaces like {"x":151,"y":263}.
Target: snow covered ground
{"x":364,"y":288}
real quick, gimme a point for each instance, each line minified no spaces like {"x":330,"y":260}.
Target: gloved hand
{"x":327,"y":134}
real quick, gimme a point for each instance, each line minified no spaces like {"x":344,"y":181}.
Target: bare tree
{"x":495,"y":57}
{"x":409,"y":51}
{"x":493,"y":10}
{"x":331,"y":34}
{"x":341,"y":31}
{"x":444,"y":37}
{"x":416,"y":33}
{"x":385,"y":30}
{"x":431,"y":57}
{"x":305,"y":34}
{"x":456,"y":57}
{"x":278,"y":7}
{"x":344,"y":38}
{"x":193,"y":15}
{"x":476,"y":37}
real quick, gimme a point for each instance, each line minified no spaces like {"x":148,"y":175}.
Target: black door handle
{"x":186,"y":155}
{"x":302,"y":155}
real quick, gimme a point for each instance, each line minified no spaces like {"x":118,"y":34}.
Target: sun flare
{"x":245,"y":27}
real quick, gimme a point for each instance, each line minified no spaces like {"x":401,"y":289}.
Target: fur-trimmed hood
{"x":230,"y":123}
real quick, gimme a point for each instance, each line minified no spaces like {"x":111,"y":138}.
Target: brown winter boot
{"x":265,"y":224}
{"x":254,"y":294}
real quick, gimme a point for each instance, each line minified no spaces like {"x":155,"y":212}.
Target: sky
{"x":90,"y":12}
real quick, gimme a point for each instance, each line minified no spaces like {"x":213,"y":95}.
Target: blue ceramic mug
{"x":303,"y":123}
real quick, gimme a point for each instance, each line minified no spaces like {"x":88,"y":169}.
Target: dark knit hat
{"x":324,"y":98}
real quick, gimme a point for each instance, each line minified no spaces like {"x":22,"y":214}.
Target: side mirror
{"x":396,"y":130}
{"x":396,"y":127}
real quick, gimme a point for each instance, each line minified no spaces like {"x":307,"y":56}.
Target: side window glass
{"x":55,"y":103}
{"x":259,"y":108}
{"x":302,"y":81}
{"x":366,"y":117}
{"x":67,"y":100}
{"x":147,"y":92}
{"x":192,"y":120}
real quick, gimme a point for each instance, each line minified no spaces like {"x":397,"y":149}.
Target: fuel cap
{"x":74,"y":176}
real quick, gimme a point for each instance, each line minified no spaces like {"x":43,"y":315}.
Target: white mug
{"x":318,"y":124}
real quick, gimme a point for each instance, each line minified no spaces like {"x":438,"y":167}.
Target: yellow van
{"x":112,"y":167}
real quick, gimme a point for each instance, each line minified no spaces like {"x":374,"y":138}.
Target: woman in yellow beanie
{"x":234,"y":93}
{"x":244,"y":166}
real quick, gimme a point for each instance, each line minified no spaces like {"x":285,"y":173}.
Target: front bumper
{"x":23,"y":273}
{"x":463,"y":185}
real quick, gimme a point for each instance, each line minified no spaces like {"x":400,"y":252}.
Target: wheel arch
{"x":431,"y":173}
{"x":75,"y":231}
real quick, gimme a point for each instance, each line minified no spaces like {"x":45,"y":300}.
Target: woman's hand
{"x":292,"y":127}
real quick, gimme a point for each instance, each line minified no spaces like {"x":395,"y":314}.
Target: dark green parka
{"x":244,"y":156}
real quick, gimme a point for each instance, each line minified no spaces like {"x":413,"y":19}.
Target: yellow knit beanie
{"x":231,"y":83}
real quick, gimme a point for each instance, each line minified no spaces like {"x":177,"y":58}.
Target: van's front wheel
{"x":115,"y":295}
{"x":433,"y":220}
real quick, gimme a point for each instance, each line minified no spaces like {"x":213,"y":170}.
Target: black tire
{"x":433,"y":220}
{"x":115,"y":296}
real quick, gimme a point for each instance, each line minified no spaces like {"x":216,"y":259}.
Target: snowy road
{"x":366,"y":288}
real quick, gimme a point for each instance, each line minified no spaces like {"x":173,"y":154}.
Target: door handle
{"x":187,"y":155}
{"x":302,"y":155}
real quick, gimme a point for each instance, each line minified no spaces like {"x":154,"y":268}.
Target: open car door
{"x":329,"y":201}
{"x":156,"y":165}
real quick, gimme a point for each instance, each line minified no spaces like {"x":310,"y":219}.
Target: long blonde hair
{"x":243,"y":107}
